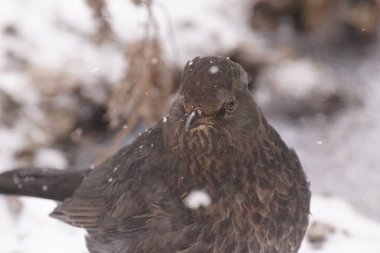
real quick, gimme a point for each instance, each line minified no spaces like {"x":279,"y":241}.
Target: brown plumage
{"x":214,"y":139}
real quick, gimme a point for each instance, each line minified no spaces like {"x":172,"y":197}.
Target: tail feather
{"x":42,"y":183}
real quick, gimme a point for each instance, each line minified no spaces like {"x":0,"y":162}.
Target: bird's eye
{"x":230,"y":104}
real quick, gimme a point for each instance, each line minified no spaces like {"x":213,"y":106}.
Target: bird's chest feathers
{"x":213,"y":164}
{"x":206,"y":150}
{"x":228,"y":215}
{"x":203,"y":141}
{"x":226,"y":180}
{"x":238,"y":184}
{"x":235,"y":189}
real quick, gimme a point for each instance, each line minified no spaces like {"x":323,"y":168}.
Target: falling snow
{"x":355,"y":233}
{"x":94,"y":70}
{"x":78,"y":131}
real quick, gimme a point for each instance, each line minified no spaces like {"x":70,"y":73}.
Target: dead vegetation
{"x":100,"y":14}
{"x":318,"y":233}
{"x":146,"y":87}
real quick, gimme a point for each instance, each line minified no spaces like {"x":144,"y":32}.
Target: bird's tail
{"x":41,"y":183}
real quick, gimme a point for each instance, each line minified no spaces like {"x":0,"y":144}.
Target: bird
{"x":211,"y":176}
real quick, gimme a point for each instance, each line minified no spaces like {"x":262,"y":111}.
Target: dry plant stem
{"x":99,"y":12}
{"x":133,"y":89}
{"x":143,"y":80}
{"x":137,"y":96}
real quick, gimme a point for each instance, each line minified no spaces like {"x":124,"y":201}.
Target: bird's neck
{"x":207,"y":159}
{"x":206,"y":145}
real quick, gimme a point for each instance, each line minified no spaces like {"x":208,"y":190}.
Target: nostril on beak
{"x":192,"y":117}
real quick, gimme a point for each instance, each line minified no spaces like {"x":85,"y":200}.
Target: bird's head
{"x":214,"y":105}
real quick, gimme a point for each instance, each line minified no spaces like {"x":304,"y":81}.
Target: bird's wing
{"x":110,"y":194}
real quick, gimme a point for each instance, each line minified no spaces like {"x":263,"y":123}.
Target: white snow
{"x":47,"y":157}
{"x":353,"y":232}
{"x":346,"y":164}
{"x":297,"y":77}
{"x":53,"y":35}
{"x":32,"y":231}
{"x":293,"y":83}
{"x":197,"y":199}
{"x":14,"y":142}
{"x":213,"y":70}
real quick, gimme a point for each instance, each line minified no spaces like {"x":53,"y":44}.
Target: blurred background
{"x":79,"y":79}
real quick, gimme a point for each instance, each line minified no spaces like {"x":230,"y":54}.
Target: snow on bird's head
{"x":213,"y":69}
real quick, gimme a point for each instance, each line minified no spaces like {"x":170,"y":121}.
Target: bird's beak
{"x":195,"y":113}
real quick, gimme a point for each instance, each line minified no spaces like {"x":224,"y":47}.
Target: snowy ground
{"x":340,"y":154}
{"x":35,"y":232}
{"x":343,"y":229}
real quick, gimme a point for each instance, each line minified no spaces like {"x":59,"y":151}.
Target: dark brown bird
{"x":216,"y":140}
